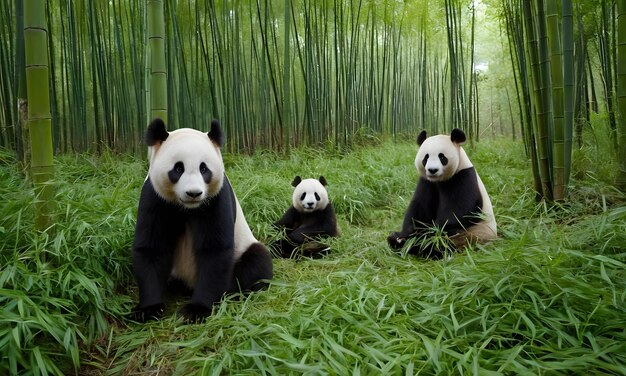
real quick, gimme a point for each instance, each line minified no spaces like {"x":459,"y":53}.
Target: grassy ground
{"x":548,"y":297}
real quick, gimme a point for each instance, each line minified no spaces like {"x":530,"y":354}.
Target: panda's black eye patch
{"x":205,"y":172}
{"x":302,"y":196}
{"x":425,"y":160}
{"x":317,"y":197}
{"x":176,"y":172}
{"x":443,"y":159}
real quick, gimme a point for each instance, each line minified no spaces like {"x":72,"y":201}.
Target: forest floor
{"x":547,"y":297}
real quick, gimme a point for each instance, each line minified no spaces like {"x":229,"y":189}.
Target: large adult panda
{"x":190,"y":226}
{"x":310,"y":218}
{"x":449,"y":195}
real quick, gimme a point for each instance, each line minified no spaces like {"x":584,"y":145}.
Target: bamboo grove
{"x":555,"y":81}
{"x":285,"y":73}
{"x":276,"y":73}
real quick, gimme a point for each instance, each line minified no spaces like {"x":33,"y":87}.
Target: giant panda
{"x":190,"y":227}
{"x":449,"y":195}
{"x":310,"y":218}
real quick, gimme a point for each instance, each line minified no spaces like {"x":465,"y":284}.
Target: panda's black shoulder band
{"x":156,"y":132}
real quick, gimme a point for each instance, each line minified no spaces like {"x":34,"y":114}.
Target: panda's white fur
{"x":184,"y":267}
{"x":190,"y":225}
{"x":449,"y":194}
{"x":192,"y":148}
{"x":434,"y":170}
{"x":310,"y":195}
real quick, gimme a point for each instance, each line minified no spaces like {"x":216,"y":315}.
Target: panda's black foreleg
{"x":151,"y":272}
{"x":149,"y":313}
{"x":414,"y":244}
{"x":427,"y":251}
{"x":253,"y":270}
{"x":214,"y":274}
{"x":396,"y":240}
{"x":284,"y":247}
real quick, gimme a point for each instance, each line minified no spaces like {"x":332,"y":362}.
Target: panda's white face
{"x":440,"y":157}
{"x":186,"y":168}
{"x":310,"y":195}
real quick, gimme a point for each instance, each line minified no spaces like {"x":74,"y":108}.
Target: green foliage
{"x":548,"y":296}
{"x":59,"y":292}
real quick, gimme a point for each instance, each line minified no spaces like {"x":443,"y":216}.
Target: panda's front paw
{"x":149,"y":313}
{"x":396,"y":240}
{"x":194,"y":312}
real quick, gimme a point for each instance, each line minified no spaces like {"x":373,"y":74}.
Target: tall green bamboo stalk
{"x":473,"y":120}
{"x":545,"y":112}
{"x":539,"y":141}
{"x":7,"y":69}
{"x":568,"y":86}
{"x":158,"y":65}
{"x":581,"y":102}
{"x":39,"y":116}
{"x":604,"y":43}
{"x":556,"y":78}
{"x":21,"y":122}
{"x":286,"y":105}
{"x":621,"y":93}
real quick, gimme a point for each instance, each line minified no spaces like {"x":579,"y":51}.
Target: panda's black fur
{"x":303,"y":229}
{"x":449,"y":196}
{"x":209,"y":229}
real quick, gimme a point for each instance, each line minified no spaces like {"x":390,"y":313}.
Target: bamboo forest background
{"x":282,"y":73}
{"x":276,"y":73}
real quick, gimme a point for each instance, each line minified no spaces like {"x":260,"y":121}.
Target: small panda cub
{"x":449,"y":196}
{"x":310,"y":218}
{"x":190,"y":228}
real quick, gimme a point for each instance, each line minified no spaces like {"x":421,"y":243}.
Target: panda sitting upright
{"x":449,"y":196}
{"x":310,"y":218}
{"x":190,"y":226}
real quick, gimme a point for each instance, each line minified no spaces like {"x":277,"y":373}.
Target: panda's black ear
{"x":421,"y":137}
{"x":296,"y":181}
{"x":322,"y":180}
{"x":215,"y":134}
{"x":457,"y":136}
{"x":156,"y":133}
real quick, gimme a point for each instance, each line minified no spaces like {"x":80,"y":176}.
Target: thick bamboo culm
{"x":39,"y":116}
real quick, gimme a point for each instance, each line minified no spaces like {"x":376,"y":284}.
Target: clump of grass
{"x":59,"y":290}
{"x":547,"y":297}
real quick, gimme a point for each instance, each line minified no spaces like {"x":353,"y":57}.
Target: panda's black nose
{"x":194,"y":194}
{"x":433,"y":170}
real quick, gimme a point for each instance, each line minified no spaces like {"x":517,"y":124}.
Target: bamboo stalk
{"x":39,"y":116}
{"x":22,"y":136}
{"x":556,"y":78}
{"x":568,"y":87}
{"x":158,"y":66}
{"x":286,"y":104}
{"x":541,"y":76}
{"x":621,"y":93}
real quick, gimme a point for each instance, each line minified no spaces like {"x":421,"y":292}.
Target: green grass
{"x":548,"y":297}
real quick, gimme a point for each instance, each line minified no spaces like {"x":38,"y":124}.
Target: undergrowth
{"x":548,"y":297}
